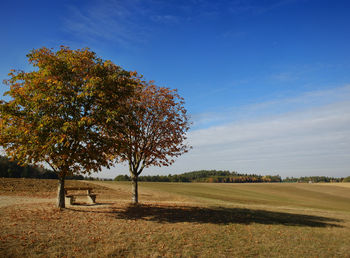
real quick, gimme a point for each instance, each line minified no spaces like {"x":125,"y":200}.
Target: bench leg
{"x":92,"y":199}
{"x":71,"y":200}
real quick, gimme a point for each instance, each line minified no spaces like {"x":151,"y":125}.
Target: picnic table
{"x":72,"y":192}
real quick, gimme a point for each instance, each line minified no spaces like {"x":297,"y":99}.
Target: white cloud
{"x":273,"y":107}
{"x":311,"y":140}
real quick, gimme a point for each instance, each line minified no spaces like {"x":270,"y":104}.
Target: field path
{"x":14,"y":200}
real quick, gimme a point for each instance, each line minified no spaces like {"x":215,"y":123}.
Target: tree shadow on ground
{"x":220,"y":215}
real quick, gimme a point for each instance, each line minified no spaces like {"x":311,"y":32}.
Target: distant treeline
{"x":206,"y":176}
{"x":224,"y":176}
{"x":12,"y":169}
{"x":313,"y":179}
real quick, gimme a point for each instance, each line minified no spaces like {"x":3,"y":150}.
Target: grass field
{"x":177,"y":219}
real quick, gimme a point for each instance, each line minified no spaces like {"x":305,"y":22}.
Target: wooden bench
{"x":79,"y":191}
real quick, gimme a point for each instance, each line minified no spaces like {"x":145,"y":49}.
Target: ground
{"x":176,"y":219}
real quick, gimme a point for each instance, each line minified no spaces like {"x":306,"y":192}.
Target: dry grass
{"x":38,"y":187}
{"x":196,"y":227}
{"x":347,"y":184}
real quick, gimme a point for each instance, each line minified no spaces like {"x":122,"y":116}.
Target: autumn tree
{"x":58,"y":113}
{"x":155,"y":130}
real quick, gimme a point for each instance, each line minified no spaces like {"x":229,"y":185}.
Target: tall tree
{"x":59,"y":112}
{"x":155,"y":131}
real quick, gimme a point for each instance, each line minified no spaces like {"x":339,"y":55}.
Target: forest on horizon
{"x":11,"y":169}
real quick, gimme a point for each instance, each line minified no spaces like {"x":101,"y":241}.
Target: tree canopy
{"x":155,"y":130}
{"x":60,"y":112}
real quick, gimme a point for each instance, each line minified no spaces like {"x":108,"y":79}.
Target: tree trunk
{"x":60,"y":193}
{"x":135,"y":194}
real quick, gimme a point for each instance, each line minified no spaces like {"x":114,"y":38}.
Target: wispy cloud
{"x":285,"y":77}
{"x":165,"y":18}
{"x":115,"y":21}
{"x":291,"y":73}
{"x":305,"y":142}
{"x":307,"y":100}
{"x":258,"y":7}
{"x":124,"y":22}
{"x":133,"y":21}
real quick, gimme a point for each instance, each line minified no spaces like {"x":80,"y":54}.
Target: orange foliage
{"x":59,"y":112}
{"x":157,"y":123}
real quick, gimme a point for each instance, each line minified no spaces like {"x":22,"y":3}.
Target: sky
{"x":266,"y":82}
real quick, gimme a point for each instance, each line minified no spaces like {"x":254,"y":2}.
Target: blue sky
{"x":266,"y":82}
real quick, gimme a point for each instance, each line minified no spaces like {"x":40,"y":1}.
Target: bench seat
{"x":71,"y":195}
{"x":91,"y":197}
